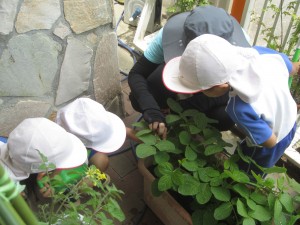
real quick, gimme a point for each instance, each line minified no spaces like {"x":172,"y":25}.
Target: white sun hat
{"x":97,"y":128}
{"x":20,"y":155}
{"x":209,"y":61}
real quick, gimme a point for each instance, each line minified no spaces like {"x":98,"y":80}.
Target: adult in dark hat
{"x":148,"y":93}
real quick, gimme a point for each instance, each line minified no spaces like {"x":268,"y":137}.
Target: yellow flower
{"x":101,"y":176}
{"x":95,"y":173}
{"x":90,"y":172}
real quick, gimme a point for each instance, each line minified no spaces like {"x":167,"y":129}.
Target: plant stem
{"x":99,"y":207}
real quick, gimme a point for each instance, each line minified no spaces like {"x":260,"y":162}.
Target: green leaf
{"x":202,"y":173}
{"x":293,"y":220}
{"x":184,"y":137}
{"x":165,"y":183}
{"x":208,"y":133}
{"x":200,"y":120}
{"x":104,"y":219}
{"x":171,"y":118}
{"x":177,"y":177}
{"x":174,"y":105}
{"x":280,"y":182}
{"x":216,"y":181}
{"x":190,"y":113}
{"x":209,"y":141}
{"x":140,"y":124}
{"x":211,"y":172}
{"x":238,"y":176}
{"x":221,"y":193}
{"x":161,"y":157}
{"x":165,"y":145}
{"x":251,"y":204}
{"x":189,"y":187}
{"x":277,"y":212}
{"x":294,"y":185}
{"x":143,"y":132}
{"x":287,"y":202}
{"x":190,"y":165}
{"x":241,"y":208}
{"x":212,"y":149}
{"x":226,"y":164}
{"x":242,"y":190}
{"x":223,"y":211}
{"x":193,"y":129}
{"x":165,"y":168}
{"x":114,"y":210}
{"x":271,"y":200}
{"x":248,"y":221}
{"x":274,"y":169}
{"x":204,"y":194}
{"x":149,"y":139}
{"x":144,"y":150}
{"x":260,"y":213}
{"x":189,"y":153}
{"x":259,"y":198}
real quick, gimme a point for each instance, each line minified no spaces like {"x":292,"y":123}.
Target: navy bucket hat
{"x":184,"y":27}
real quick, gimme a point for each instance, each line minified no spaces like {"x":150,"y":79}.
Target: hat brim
{"x":174,"y":38}
{"x":115,"y":140}
{"x":14,"y":173}
{"x":77,"y":154}
{"x":171,"y":79}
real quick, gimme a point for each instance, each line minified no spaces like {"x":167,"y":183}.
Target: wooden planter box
{"x":167,"y":209}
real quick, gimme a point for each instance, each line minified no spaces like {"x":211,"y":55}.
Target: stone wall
{"x":53,"y":51}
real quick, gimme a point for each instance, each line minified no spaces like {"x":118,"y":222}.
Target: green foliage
{"x":91,"y":200}
{"x":186,"y":5}
{"x":285,"y":12}
{"x":187,"y":162}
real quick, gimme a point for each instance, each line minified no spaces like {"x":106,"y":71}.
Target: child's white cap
{"x":21,"y":157}
{"x":208,"y":61}
{"x":97,"y":128}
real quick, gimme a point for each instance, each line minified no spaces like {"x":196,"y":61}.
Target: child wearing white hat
{"x":21,"y":155}
{"x":101,"y":131}
{"x":256,"y":78}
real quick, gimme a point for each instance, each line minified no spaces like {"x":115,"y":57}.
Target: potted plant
{"x":188,"y":163}
{"x":92,"y":199}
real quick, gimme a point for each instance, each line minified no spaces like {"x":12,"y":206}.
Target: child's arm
{"x":271,"y":142}
{"x":295,"y":68}
{"x":130,"y":133}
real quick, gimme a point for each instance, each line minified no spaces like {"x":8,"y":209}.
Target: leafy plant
{"x":189,"y":163}
{"x":276,"y":42}
{"x":186,"y":5}
{"x":91,"y":200}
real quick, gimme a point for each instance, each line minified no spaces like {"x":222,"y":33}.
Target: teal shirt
{"x":154,"y":52}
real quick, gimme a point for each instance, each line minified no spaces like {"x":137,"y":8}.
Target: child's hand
{"x":45,"y":188}
{"x":130,"y":133}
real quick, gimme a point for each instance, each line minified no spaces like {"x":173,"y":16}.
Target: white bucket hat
{"x":209,"y":61}
{"x":97,"y":128}
{"x":20,"y":156}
